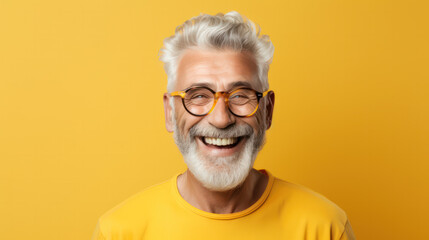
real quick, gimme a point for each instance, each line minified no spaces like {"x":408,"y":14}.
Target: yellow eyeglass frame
{"x":216,"y":95}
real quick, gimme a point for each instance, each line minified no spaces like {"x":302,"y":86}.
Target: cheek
{"x":260,"y":115}
{"x":185,"y":121}
{"x":179,"y":115}
{"x":255,"y":122}
{"x":180,"y":121}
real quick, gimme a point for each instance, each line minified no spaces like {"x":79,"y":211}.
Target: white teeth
{"x":220,"y":141}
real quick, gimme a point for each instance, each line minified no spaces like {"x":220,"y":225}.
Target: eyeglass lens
{"x":241,"y":102}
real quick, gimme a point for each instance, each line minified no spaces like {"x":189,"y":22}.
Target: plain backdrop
{"x":82,"y":122}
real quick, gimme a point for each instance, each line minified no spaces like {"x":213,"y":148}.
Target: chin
{"x":220,"y":168}
{"x":221,"y":173}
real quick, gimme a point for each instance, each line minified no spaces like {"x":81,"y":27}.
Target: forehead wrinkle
{"x":218,"y":77}
{"x":202,"y":66}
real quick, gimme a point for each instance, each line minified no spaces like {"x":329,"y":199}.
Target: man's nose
{"x":221,"y":117}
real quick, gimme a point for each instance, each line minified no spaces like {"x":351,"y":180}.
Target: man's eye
{"x":199,"y":96}
{"x":239,"y":97}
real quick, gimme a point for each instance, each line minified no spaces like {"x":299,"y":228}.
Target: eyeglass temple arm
{"x":178,"y":93}
{"x":264,"y":93}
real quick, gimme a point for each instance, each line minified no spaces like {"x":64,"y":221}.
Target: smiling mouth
{"x":221,"y":142}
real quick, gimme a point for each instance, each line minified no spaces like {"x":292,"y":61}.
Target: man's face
{"x":202,"y":139}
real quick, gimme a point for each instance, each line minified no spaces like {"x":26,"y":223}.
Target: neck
{"x":230,"y":201}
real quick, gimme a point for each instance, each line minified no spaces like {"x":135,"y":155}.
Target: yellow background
{"x":81,"y":116}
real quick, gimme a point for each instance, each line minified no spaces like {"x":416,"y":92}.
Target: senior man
{"x":219,"y":106}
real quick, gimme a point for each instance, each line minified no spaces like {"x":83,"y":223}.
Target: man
{"x":218,"y":105}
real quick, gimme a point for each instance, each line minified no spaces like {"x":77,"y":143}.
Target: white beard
{"x":219,"y":173}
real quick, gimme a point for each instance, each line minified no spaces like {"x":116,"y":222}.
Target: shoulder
{"x":309,"y":212}
{"x":305,"y":203}
{"x":137,"y":209}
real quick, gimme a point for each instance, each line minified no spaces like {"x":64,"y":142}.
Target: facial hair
{"x":219,"y":173}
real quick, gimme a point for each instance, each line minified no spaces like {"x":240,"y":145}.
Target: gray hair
{"x":222,"y":31}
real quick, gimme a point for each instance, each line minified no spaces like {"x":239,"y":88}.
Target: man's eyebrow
{"x":229,"y":86}
{"x":239,"y":84}
{"x":201,"y":84}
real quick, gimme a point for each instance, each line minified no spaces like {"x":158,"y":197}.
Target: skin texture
{"x":221,"y":70}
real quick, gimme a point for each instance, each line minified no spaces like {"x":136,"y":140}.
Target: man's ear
{"x":269,"y":107}
{"x":168,"y":113}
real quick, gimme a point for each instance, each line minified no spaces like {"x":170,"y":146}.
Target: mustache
{"x":228,"y":132}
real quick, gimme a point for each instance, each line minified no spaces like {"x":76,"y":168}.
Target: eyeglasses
{"x":200,"y":101}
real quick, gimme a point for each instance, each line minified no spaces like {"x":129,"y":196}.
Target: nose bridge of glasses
{"x":224,"y":94}
{"x":217,"y":95}
{"x":220,"y":114}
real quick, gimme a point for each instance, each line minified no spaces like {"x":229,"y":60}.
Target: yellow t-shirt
{"x":284,"y":211}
